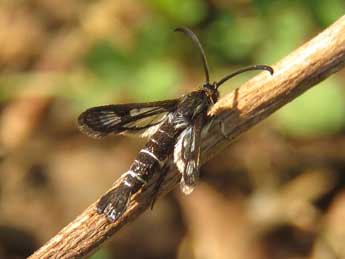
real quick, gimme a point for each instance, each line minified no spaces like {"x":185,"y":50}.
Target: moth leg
{"x":158,"y":185}
{"x":220,"y":124}
{"x":206,"y":128}
{"x":222,"y":129}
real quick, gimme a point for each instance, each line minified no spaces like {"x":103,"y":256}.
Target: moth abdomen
{"x":114,"y":203}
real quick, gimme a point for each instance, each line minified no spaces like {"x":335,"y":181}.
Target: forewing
{"x":132,"y":118}
{"x":187,"y":155}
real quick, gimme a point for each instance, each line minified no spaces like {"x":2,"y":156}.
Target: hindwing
{"x":187,"y":155}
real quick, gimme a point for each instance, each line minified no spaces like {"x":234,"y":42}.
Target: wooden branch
{"x":240,"y":110}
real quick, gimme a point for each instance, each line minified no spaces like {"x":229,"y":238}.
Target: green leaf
{"x":327,"y":11}
{"x":289,"y":26}
{"x":320,"y":111}
{"x":108,"y":63}
{"x":233,"y":39}
{"x":156,"y":80}
{"x":183,"y":12}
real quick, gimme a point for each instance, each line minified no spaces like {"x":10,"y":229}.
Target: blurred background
{"x":277,"y":192}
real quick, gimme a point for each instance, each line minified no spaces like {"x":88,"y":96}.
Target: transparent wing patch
{"x":132,"y":118}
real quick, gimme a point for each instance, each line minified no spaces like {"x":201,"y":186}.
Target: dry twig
{"x":241,"y":110}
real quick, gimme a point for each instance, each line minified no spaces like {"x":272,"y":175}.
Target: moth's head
{"x":211,"y":91}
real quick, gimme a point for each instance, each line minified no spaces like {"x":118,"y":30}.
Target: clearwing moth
{"x":174,"y":127}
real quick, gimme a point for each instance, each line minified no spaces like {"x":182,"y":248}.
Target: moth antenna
{"x":197,"y":43}
{"x":245,"y":69}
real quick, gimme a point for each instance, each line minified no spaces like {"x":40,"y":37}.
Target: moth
{"x":174,"y":127}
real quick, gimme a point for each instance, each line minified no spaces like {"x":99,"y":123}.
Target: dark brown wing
{"x":133,"y":118}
